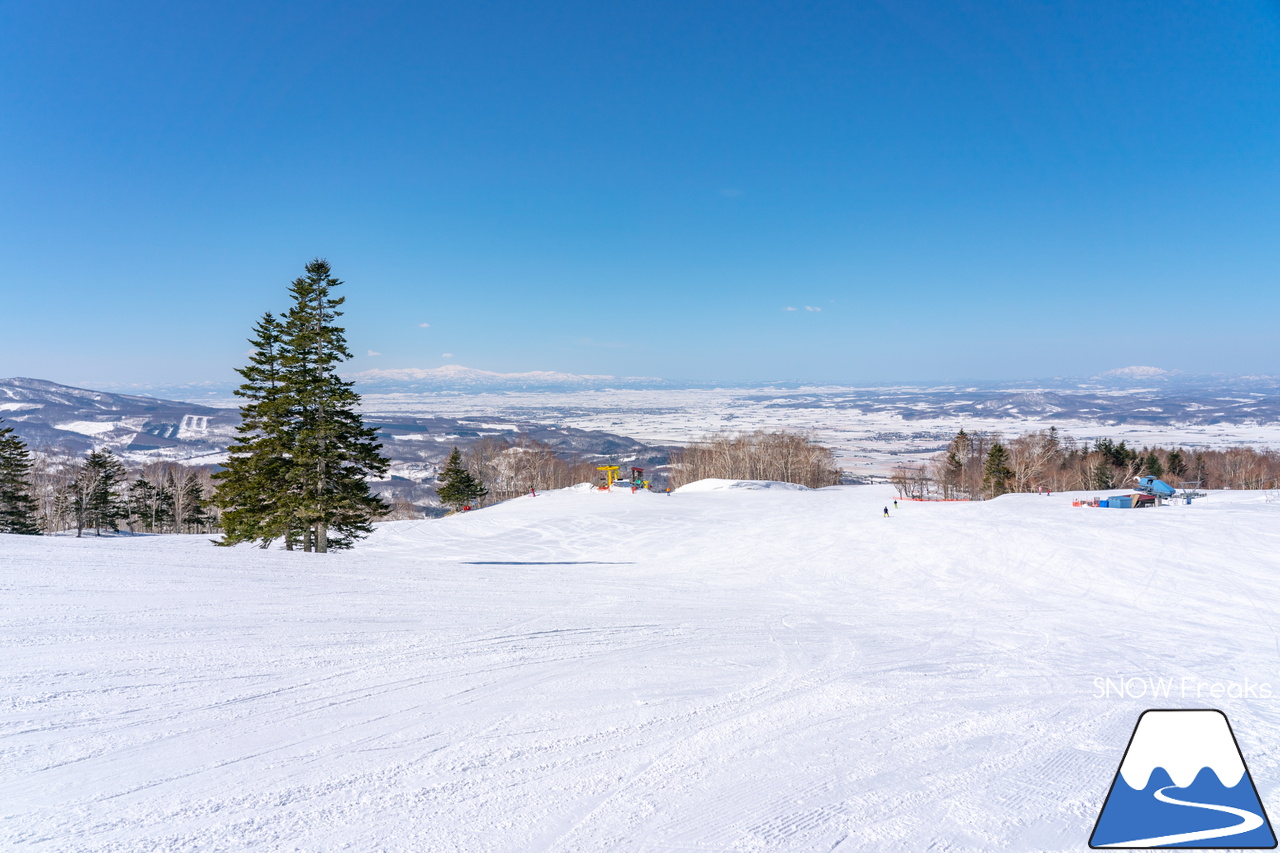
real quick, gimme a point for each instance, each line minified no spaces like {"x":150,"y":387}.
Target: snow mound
{"x":715,"y":484}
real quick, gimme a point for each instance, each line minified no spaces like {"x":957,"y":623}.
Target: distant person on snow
{"x":886,"y":512}
{"x":895,"y":504}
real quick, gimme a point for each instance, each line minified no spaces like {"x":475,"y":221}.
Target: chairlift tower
{"x":610,"y":474}
{"x":1190,"y":490}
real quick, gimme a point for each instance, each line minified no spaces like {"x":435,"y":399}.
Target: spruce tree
{"x":1117,"y":454}
{"x":996,"y":472}
{"x":333,"y":452}
{"x":79,"y":496}
{"x":95,"y":500}
{"x":458,"y":487}
{"x":300,"y":468}
{"x":953,"y":469}
{"x":1151,"y":466}
{"x":192,"y":503}
{"x":18,"y":511}
{"x":1101,"y":475}
{"x":252,"y":486}
{"x":142,"y":501}
{"x":108,"y":507}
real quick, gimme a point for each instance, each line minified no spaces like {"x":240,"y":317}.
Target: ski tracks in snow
{"x":738,"y":670}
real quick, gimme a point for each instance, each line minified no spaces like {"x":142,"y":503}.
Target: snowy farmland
{"x":872,"y":431}
{"x":724,"y":668}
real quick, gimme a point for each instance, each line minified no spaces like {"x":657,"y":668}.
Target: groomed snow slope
{"x":733,"y":669}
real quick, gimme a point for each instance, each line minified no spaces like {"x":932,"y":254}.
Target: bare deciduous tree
{"x":510,"y":469}
{"x":761,"y":455}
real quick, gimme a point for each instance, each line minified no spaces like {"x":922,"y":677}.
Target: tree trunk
{"x":322,"y":538}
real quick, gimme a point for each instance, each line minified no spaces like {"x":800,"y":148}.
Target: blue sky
{"x":965,"y":190}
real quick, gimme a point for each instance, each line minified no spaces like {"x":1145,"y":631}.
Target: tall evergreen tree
{"x":1101,"y":475}
{"x":151,"y":504}
{"x":996,"y":473}
{"x":333,"y":452}
{"x":300,"y":468}
{"x":252,"y":486}
{"x":141,"y":499}
{"x":18,"y":511}
{"x":458,"y":486}
{"x":189,"y":513}
{"x":953,"y":471}
{"x":1151,"y":466}
{"x":95,"y":499}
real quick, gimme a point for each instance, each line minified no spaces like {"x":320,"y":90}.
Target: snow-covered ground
{"x":717,"y":669}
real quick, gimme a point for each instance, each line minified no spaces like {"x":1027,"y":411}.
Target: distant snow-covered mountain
{"x":1138,"y":372}
{"x":21,"y":394}
{"x":51,"y":416}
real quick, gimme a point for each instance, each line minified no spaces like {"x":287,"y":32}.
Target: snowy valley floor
{"x":719,"y":669}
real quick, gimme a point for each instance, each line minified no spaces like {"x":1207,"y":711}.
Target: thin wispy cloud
{"x":789,"y":308}
{"x":446,"y":355}
{"x":424,"y":325}
{"x":591,"y":342}
{"x":811,"y":308}
{"x":371,"y":352}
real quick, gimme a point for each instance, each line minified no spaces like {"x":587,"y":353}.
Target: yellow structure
{"x":610,"y":474}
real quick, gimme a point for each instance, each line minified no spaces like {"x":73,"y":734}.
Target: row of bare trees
{"x":981,"y":465}
{"x":73,"y":493}
{"x":787,"y":457}
{"x":509,"y":469}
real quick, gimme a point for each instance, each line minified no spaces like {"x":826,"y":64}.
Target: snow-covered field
{"x":866,"y":440}
{"x":718,"y":669}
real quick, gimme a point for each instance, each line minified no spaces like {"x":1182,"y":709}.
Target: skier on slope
{"x":886,"y":512}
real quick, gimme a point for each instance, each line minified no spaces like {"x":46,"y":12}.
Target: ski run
{"x":733,"y":666}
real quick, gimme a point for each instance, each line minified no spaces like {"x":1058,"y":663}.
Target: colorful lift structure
{"x":1150,"y":491}
{"x":610,"y":475}
{"x":613,"y":474}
